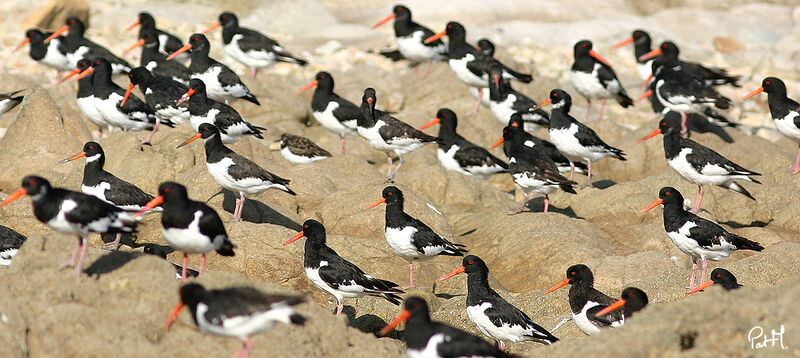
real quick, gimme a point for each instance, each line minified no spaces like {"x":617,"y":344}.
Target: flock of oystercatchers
{"x":684,"y":92}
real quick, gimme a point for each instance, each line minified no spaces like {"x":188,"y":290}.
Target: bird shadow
{"x":110,"y":262}
{"x":367,"y":323}
{"x":257,"y":212}
{"x":537,"y":205}
{"x":127,"y":239}
{"x":469,"y":232}
{"x":603,"y":184}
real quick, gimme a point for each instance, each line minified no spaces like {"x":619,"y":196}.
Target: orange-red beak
{"x":546,"y":102}
{"x":69,"y":75}
{"x":185,"y":96}
{"x":150,"y":205}
{"x":313,"y":84}
{"x":173,"y":316}
{"x":655,"y":203}
{"x":650,"y":54}
{"x":611,"y":308}
{"x":181,"y":50}
{"x":294,"y":238}
{"x":457,"y":271}
{"x":651,"y":135}
{"x":17,"y":194}
{"x":76,"y":156}
{"x":560,"y":284}
{"x":402,"y":317}
{"x":380,"y":201}
{"x":58,"y":33}
{"x":133,"y":25}
{"x":499,"y":141}
{"x":213,"y":27}
{"x":137,"y":44}
{"x":623,"y":42}
{"x":647,"y":81}
{"x":703,"y":286}
{"x":192,"y":139}
{"x":22,"y":44}
{"x":435,"y":37}
{"x":431,"y":123}
{"x":385,"y":20}
{"x":85,"y":73}
{"x":597,"y":56}
{"x":127,"y":94}
{"x":757,"y":91}
{"x":644,"y":95}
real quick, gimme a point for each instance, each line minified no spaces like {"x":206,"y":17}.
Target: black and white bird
{"x":237,"y":312}
{"x":301,"y":150}
{"x":593,"y":77}
{"x":574,"y":139}
{"x":586,"y":302}
{"x":221,"y":82}
{"x":161,"y":94}
{"x":410,"y":36}
{"x":9,"y":100}
{"x":162,"y":251}
{"x":699,"y":164}
{"x":71,"y":212}
{"x":784,"y":111}
{"x":469,"y":63}
{"x":632,"y":300}
{"x":409,"y":237}
{"x":504,"y":102}
{"x":203,"y":109}
{"x":641,"y":45}
{"x":491,"y":313}
{"x":333,"y":112}
{"x":189,"y":226}
{"x":156,"y":62}
{"x":543,"y":146}
{"x":105,"y":186}
{"x":335,"y":275}
{"x":10,"y":242}
{"x":712,"y":76}
{"x":486,"y":47}
{"x":250,"y":47}
{"x":76,"y":47}
{"x":534,"y":172}
{"x":85,"y":97}
{"x":710,"y":121}
{"x":167,"y":42}
{"x":460,"y":155}
{"x":233,"y":171}
{"x":426,"y":338}
{"x":719,"y":276}
{"x":388,"y":134}
{"x":697,"y":237}
{"x":47,"y":54}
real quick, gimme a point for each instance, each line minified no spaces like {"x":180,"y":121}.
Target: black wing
{"x":210,"y":224}
{"x":124,"y":193}
{"x":255,"y":41}
{"x":680,"y":85}
{"x":470,"y":154}
{"x":243,"y":301}
{"x":604,"y":301}
{"x":10,"y":239}
{"x":346,"y":110}
{"x":246,"y":168}
{"x":608,"y":78}
{"x":172,"y":44}
{"x":340,"y":271}
{"x":91,"y":209}
{"x":426,"y":237}
{"x":458,"y":343}
{"x":165,"y":92}
{"x":588,"y":138}
{"x":396,"y":128}
{"x":711,"y":75}
{"x":701,"y":156}
{"x":709,"y":235}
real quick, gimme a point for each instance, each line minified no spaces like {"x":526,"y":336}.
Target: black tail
{"x":297,"y":319}
{"x":720,"y":118}
{"x":393,"y":298}
{"x":256,"y":131}
{"x":393,"y":55}
{"x":569,"y":187}
{"x":168,"y":123}
{"x":734,"y":186}
{"x":291,"y":59}
{"x":722,"y":102}
{"x":742,"y":243}
{"x":623,"y":99}
{"x":251,"y":98}
{"x":617,"y":153}
{"x":522,"y":77}
{"x":226,"y":249}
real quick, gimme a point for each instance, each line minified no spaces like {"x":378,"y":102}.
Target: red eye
{"x":471,"y":262}
{"x":167,"y":190}
{"x":323,"y":76}
{"x":515,"y":124}
{"x":667,"y":193}
{"x":663,"y":123}
{"x":555,"y":94}
{"x":766,"y":83}
{"x":449,"y":26}
{"x":305,"y":226}
{"x":91,"y":147}
{"x":573,"y":273}
{"x":585,"y":45}
{"x":97,"y":63}
{"x":31,"y":183}
{"x":390,"y":193}
{"x":719,"y":275}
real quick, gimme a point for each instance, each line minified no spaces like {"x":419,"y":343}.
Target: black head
{"x":35,"y":185}
{"x":447,"y":118}
{"x":199,"y":43}
{"x":228,"y":19}
{"x":75,"y":25}
{"x":150,"y":38}
{"x":670,"y":195}
{"x":369,"y":99}
{"x":582,"y":48}
{"x":580,"y":274}
{"x":157,"y":250}
{"x":560,"y":99}
{"x":314,"y":230}
{"x":724,"y":278}
{"x":514,"y":135}
{"x":417,"y":307}
{"x":671,"y":123}
{"x":140,"y":75}
{"x":455,"y":30}
{"x":34,"y":35}
{"x":207,"y":130}
{"x":773,"y":85}
{"x":172,"y":191}
{"x":324,"y":80}
{"x":91,"y":149}
{"x":635,"y":300}
{"x":486,"y":46}
{"x":495,"y":75}
{"x":401,"y":12}
{"x":146,"y":20}
{"x":84,"y":63}
{"x":101,"y":64}
{"x":474,"y":264}
{"x":392,"y":194}
{"x":669,"y":49}
{"x":516,"y":121}
{"x":640,"y":36}
{"x":192,"y":294}
{"x":198,"y":86}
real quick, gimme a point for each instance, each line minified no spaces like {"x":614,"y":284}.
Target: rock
{"x":728,"y":44}
{"x":54,"y":14}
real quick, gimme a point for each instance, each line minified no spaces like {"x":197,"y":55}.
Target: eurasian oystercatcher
{"x":388,"y":134}
{"x":426,"y":338}
{"x":9,"y":100}
{"x":593,"y":77}
{"x":233,"y":171}
{"x":203,"y":109}
{"x":157,"y":63}
{"x":710,"y":121}
{"x":10,"y":242}
{"x":71,"y":212}
{"x":335,"y":275}
{"x":504,"y":101}
{"x":410,"y":38}
{"x":586,"y":302}
{"x":189,"y":226}
{"x":300,"y":150}
{"x":712,"y":76}
{"x":574,"y":139}
{"x":161,"y":93}
{"x":85,"y":97}
{"x":250,"y":47}
{"x":719,"y":276}
{"x":460,"y":155}
{"x":543,"y":146}
{"x":535,"y":173}
{"x":166,"y":43}
{"x":632,"y":301}
{"x":784,"y":110}
{"x":698,"y":164}
{"x":157,"y":250}
{"x":641,"y":46}
{"x":486,"y":47}
{"x":236,"y":312}
{"x":335,"y":113}
{"x":491,"y":313}
{"x":47,"y":54}
{"x":695,"y":236}
{"x":105,"y":186}
{"x":222,"y":83}
{"x":76,"y":47}
{"x":410,"y":238}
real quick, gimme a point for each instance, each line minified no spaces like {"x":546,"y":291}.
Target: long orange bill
{"x":17,"y":194}
{"x":308,"y":86}
{"x":655,"y":203}
{"x":623,"y":42}
{"x":150,"y":205}
{"x":385,"y":20}
{"x":127,"y":94}
{"x":402,"y":317}
{"x":213,"y":27}
{"x":85,"y":73}
{"x":546,"y":102}
{"x":192,"y":139}
{"x":294,"y":238}
{"x":133,"y":25}
{"x":379,"y":202}
{"x":499,"y":141}
{"x":181,"y":50}
{"x":58,"y":33}
{"x":651,"y":135}
{"x":137,"y":44}
{"x":647,"y":81}
{"x":435,"y":37}
{"x":560,"y":284}
{"x":69,"y":75}
{"x":22,"y":44}
{"x":757,"y":91}
{"x":703,"y":286}
{"x":431,"y":123}
{"x":644,"y":95}
{"x":173,"y":316}
{"x":76,"y":156}
{"x":613,"y":307}
{"x":597,"y":56}
{"x":457,"y":271}
{"x":185,"y":96}
{"x":650,"y":54}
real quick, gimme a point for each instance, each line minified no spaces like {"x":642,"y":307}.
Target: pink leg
{"x":416,"y":72}
{"x":521,"y":207}
{"x":247,"y":348}
{"x":236,"y":209}
{"x":705,"y":266}
{"x":399,"y":164}
{"x":253,"y":72}
{"x":185,"y":263}
{"x":602,"y":108}
{"x":696,"y":207}
{"x":339,"y":307}
{"x":150,"y":136}
{"x":410,"y":275}
{"x":694,"y":271}
{"x":589,"y":173}
{"x":84,"y":248}
{"x":114,"y":245}
{"x":202,"y":264}
{"x":341,"y":144}
{"x":71,"y":261}
{"x":546,"y":202}
{"x":684,"y":123}
{"x":427,"y":70}
{"x":388,"y":170}
{"x":571,"y":170}
{"x":501,"y":345}
{"x":474,"y":111}
{"x":796,"y":168}
{"x":588,"y":109}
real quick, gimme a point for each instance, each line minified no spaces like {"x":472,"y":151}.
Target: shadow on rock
{"x":257,"y":212}
{"x":537,"y":205}
{"x":368,"y":323}
{"x":110,"y":262}
{"x":127,"y":239}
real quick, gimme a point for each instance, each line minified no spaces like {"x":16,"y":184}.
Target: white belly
{"x":644,"y":70}
{"x":678,"y":103}
{"x":566,"y":143}
{"x":412,"y":48}
{"x":583,"y":323}
{"x":55,"y":58}
{"x":108,"y":108}
{"x":530,"y":184}
{"x":219,"y":171}
{"x":214,"y":88}
{"x":710,"y":174}
{"x":373,"y":137}
{"x":76,"y":56}
{"x":189,"y":240}
{"x":253,"y":59}
{"x":244,"y":326}
{"x":459,"y":66}
{"x":298,"y":159}
{"x":690,"y":247}
{"x":329,"y":121}
{"x":89,"y":110}
{"x":484,"y":99}
{"x":588,"y":84}
{"x":430,"y":350}
{"x":503,"y":110}
{"x":506,"y":332}
{"x":787,"y":127}
{"x":448,"y":160}
{"x":399,"y":240}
